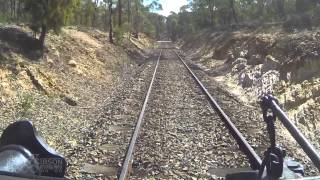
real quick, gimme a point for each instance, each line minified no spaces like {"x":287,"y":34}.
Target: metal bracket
{"x":274,"y":156}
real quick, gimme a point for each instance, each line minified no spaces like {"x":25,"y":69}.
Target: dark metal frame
{"x":271,"y":102}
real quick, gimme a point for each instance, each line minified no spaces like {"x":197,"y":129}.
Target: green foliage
{"x":224,"y":14}
{"x":157,"y":24}
{"x":85,"y":13}
{"x":52,"y":14}
{"x":181,"y":25}
{"x":172,"y":27}
{"x":26,"y":104}
{"x":155,"y":5}
{"x":12,"y":77}
{"x":2,"y":19}
{"x":119,"y":34}
{"x":44,"y":15}
{"x":148,"y":28}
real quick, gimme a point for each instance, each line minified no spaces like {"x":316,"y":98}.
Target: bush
{"x":26,"y":103}
{"x":298,"y":22}
{"x":119,"y":34}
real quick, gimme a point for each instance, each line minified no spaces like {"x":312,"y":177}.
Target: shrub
{"x":119,"y":34}
{"x":26,"y":103}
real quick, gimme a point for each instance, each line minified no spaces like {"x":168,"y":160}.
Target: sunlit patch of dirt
{"x":83,"y":37}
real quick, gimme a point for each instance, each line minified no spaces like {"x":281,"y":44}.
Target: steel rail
{"x":254,"y":159}
{"x":308,"y":148}
{"x":129,"y":155}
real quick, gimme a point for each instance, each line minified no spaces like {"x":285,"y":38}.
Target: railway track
{"x":165,"y":124}
{"x":106,"y":140}
{"x":181,"y":131}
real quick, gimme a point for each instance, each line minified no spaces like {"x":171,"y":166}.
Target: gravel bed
{"x":182,"y":138}
{"x":107,"y":138}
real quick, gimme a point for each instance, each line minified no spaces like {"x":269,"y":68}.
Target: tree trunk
{"x":280,"y":8}
{"x":119,"y":13}
{"x":94,"y":18}
{"x":302,"y":6}
{"x":260,"y":9}
{"x":137,"y":21}
{"x":129,"y":18}
{"x":233,"y":11}
{"x":43,"y":35}
{"x":106,"y":17}
{"x":19,"y":11}
{"x":110,"y":22}
{"x":12,"y":10}
{"x":81,"y":19}
{"x":86,"y":18}
{"x":211,"y":10}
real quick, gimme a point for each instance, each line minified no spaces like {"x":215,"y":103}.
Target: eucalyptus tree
{"x":119,"y":7}
{"x":110,"y":22}
{"x":49,"y":14}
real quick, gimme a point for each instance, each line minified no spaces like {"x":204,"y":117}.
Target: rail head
{"x":254,"y":160}
{"x":124,"y":173}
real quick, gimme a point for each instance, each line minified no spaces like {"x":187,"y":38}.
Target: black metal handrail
{"x":270,"y":102}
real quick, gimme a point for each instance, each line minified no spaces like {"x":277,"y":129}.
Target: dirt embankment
{"x":252,"y":62}
{"x":64,"y":90}
{"x":68,"y":59}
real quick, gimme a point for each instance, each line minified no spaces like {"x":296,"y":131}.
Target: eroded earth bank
{"x":67,"y":91}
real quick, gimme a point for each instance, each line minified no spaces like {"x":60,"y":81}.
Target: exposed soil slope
{"x":64,"y":91}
